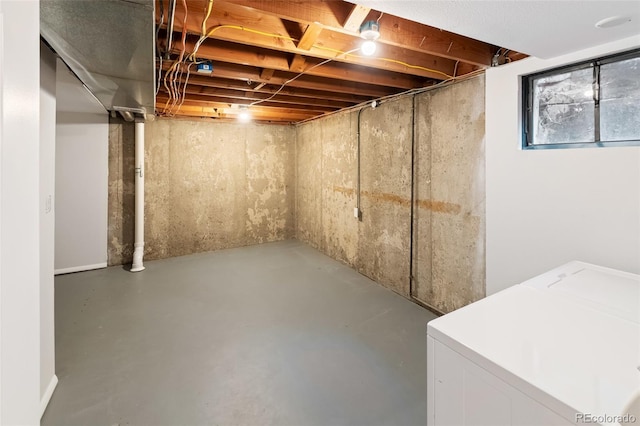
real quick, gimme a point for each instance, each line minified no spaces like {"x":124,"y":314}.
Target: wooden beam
{"x":186,"y":117}
{"x":245,"y":73}
{"x":227,"y":108}
{"x":224,"y":109}
{"x":516,"y":56}
{"x":356,"y":17}
{"x":224,"y":95}
{"x":245,"y":55}
{"x":394,"y":31}
{"x":267,"y":73}
{"x":328,"y":13}
{"x":310,"y":36}
{"x":297,"y":63}
{"x":246,"y":26}
{"x":305,"y":85}
{"x":197,"y":117}
{"x":264,"y":87}
{"x":422,"y":38}
{"x":203,"y":113}
{"x":211,"y":100}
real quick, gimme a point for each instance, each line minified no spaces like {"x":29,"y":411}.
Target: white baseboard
{"x":47,"y":394}
{"x":80,"y":268}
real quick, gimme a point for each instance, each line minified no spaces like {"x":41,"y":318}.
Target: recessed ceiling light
{"x":613,"y":21}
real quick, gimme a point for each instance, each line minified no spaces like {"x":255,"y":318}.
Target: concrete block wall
{"x":208,"y":186}
{"x":448,"y":182}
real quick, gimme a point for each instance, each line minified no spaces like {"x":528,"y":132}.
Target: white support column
{"x":138,"y":251}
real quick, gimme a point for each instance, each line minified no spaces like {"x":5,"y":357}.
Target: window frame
{"x":527,"y":102}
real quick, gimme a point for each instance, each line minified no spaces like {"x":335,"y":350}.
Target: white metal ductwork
{"x":138,"y":250}
{"x":121,"y":72}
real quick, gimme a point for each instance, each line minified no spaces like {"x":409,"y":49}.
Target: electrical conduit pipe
{"x":138,"y":251}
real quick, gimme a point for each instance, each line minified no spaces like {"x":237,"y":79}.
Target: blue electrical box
{"x":205,"y":68}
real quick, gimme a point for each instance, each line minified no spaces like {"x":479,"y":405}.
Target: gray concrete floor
{"x":272,"y":334}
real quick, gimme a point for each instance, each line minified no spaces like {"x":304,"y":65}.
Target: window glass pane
{"x":563,"y":108}
{"x":620,"y":100}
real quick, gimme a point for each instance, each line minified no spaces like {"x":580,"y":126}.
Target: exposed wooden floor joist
{"x":289,"y":60}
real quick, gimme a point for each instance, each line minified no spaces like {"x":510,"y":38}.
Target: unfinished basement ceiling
{"x":288,"y":61}
{"x":538,"y":28}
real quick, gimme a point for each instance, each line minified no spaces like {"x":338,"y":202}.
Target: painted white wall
{"x":19,"y":218}
{"x":48,"y":379}
{"x":82,"y":156}
{"x":548,"y":207}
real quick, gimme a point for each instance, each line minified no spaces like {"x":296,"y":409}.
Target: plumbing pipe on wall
{"x":138,"y":251}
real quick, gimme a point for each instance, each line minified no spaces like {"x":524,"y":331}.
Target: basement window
{"x":593,"y":103}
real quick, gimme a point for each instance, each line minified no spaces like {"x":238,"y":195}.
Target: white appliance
{"x":562,"y":348}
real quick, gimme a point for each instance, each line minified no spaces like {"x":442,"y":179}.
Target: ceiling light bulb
{"x":243,"y":115}
{"x":368,"y":47}
{"x":370,"y":32}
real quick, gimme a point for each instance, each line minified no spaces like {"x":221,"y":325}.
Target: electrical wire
{"x":181,"y":97}
{"x":173,"y":71}
{"x":184,"y":90}
{"x":337,"y":51}
{"x":183,"y":49}
{"x":176,"y":88}
{"x":171,"y":81}
{"x":235,"y":27}
{"x":395,"y":61}
{"x":293,"y":79}
{"x":206,"y":17}
{"x":415,"y":67}
{"x":157,"y":46}
{"x":279,"y":36}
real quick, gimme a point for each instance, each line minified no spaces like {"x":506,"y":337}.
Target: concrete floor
{"x":271,"y":334}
